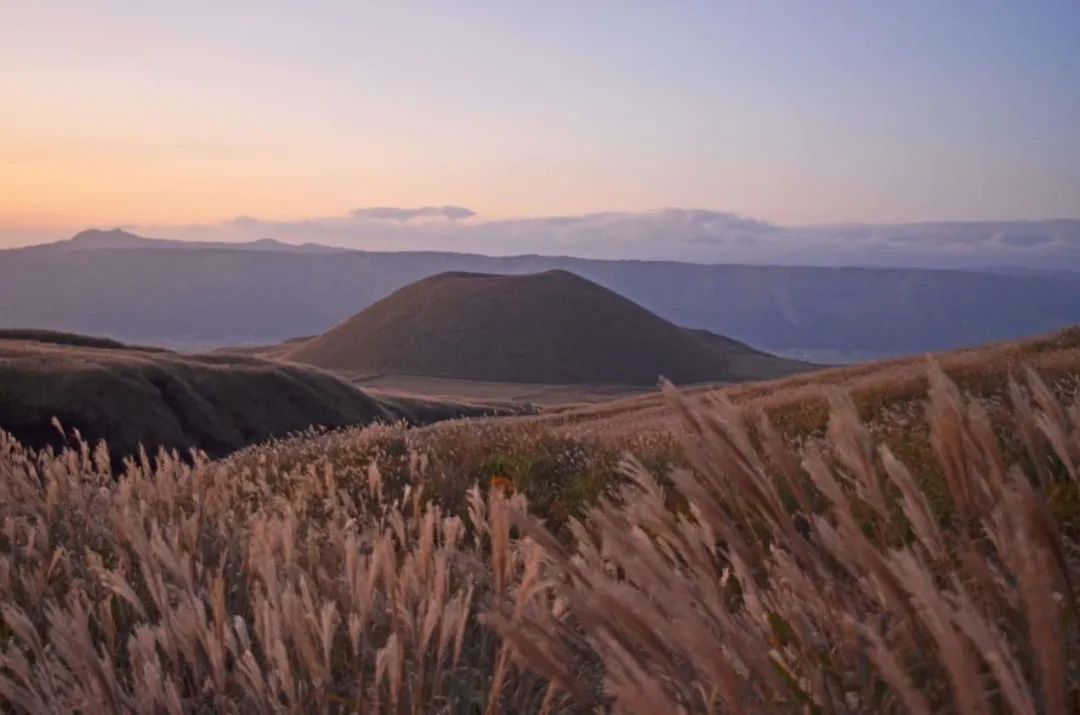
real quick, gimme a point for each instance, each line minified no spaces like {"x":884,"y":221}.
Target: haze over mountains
{"x":193,"y":295}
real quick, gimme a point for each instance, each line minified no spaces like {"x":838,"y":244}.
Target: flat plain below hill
{"x":514,"y":392}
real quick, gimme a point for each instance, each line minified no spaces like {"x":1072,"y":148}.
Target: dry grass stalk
{"x":747,"y":602}
{"x":762,"y":577}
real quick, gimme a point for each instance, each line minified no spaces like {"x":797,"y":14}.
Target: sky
{"x":193,"y":114}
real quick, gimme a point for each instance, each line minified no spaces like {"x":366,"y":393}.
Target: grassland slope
{"x":61,"y":338}
{"x":215,"y":403}
{"x":907,"y":547}
{"x":799,"y":403}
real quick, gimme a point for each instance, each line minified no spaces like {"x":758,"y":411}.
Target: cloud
{"x":1025,"y":238}
{"x":244,"y":222}
{"x":717,"y":219}
{"x":390,"y":213}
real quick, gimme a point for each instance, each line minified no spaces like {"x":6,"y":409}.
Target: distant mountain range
{"x":198,"y":295}
{"x":96,"y":239}
{"x":680,"y":234}
{"x":552,"y":327}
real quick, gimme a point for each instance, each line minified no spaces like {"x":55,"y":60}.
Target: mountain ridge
{"x":202,"y":296}
{"x":95,"y":239}
{"x":99,"y":239}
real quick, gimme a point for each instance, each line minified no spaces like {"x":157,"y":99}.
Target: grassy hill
{"x":156,"y":398}
{"x":893,"y":538}
{"x":73,"y":339}
{"x":799,"y":403}
{"x":552,"y":327}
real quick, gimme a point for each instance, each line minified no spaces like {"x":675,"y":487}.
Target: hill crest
{"x":553,"y":327}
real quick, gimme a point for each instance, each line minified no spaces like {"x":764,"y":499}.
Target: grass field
{"x":880,"y":538}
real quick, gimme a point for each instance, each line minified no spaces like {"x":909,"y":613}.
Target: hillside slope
{"x":551,"y":327}
{"x":216,"y":403}
{"x":887,"y":392}
{"x":770,"y":550}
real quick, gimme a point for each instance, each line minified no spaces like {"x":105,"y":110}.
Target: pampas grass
{"x":822,"y":581}
{"x":764,"y":575}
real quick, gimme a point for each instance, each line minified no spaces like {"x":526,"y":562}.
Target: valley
{"x":196,"y":297}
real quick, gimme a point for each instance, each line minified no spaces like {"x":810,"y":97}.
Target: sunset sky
{"x":791,"y":112}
